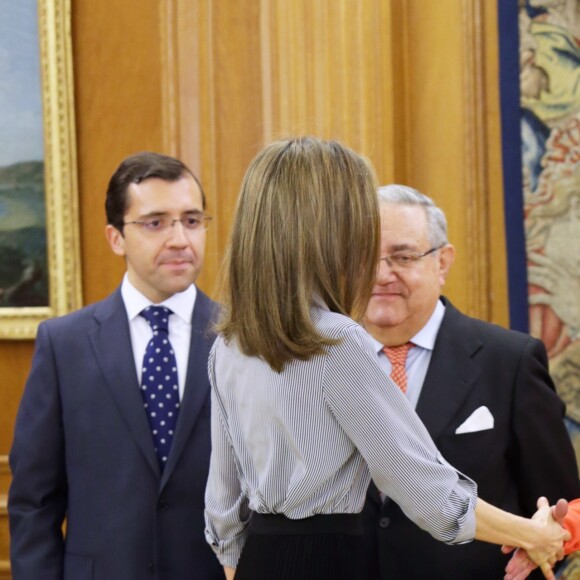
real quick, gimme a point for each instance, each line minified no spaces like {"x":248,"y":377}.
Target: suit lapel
{"x":197,"y":387}
{"x":111,"y":342}
{"x":452,"y":371}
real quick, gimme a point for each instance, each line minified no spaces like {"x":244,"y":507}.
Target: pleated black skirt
{"x":317,"y":548}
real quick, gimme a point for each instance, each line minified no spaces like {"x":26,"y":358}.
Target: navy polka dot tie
{"x":159,"y":385}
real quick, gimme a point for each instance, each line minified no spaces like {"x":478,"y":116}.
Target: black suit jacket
{"x":83,"y":450}
{"x":527,"y":453}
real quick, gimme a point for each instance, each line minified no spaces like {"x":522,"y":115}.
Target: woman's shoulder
{"x":339,"y":327}
{"x":326,"y":317}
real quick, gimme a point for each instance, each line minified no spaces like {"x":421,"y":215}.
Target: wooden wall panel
{"x":327,"y":71}
{"x":497,"y":265}
{"x":255,"y":71}
{"x":410,"y":84}
{"x":117,"y":67}
{"x":437,"y":112}
{"x":214,"y":53}
{"x":453,"y":140}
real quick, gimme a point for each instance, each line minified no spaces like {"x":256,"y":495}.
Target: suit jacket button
{"x":385,"y":522}
{"x":151,"y":567}
{"x":162,"y":505}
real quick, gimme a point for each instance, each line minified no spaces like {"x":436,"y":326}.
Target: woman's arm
{"x":226,"y":506}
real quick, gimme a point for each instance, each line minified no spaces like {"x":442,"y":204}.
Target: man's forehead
{"x":403,"y":237}
{"x":157,"y":188}
{"x":402,"y":246}
{"x":402,"y":211}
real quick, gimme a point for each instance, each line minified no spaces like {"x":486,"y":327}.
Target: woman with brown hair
{"x":298,"y":399}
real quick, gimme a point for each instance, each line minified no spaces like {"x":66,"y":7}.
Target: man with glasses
{"x":484,"y":393}
{"x":113,"y":431}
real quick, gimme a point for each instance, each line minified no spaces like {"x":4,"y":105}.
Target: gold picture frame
{"x":60,"y":176}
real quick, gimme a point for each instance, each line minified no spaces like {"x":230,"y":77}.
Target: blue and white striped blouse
{"x":307,"y":441}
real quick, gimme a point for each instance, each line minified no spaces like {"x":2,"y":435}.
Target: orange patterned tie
{"x":398,"y":356}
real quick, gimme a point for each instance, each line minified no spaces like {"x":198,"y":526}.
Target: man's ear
{"x":446,"y":259}
{"x":115,"y":239}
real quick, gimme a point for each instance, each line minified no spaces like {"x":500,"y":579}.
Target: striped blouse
{"x":307,"y":441}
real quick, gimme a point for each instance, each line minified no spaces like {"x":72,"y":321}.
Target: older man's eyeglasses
{"x":404,"y":260}
{"x":163,"y":223}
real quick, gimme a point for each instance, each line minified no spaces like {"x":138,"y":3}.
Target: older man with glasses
{"x":483,"y":392}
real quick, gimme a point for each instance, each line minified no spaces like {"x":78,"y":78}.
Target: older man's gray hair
{"x":404,"y":195}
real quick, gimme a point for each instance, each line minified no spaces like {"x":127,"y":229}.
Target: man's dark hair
{"x":135,"y":169}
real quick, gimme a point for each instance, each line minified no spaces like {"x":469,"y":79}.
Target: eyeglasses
{"x":161,"y":224}
{"x":404,"y":260}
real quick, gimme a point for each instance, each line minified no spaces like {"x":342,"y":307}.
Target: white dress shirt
{"x":182,"y":305}
{"x":419,"y":356}
{"x":307,"y":440}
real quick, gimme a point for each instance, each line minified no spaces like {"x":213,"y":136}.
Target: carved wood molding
{"x":487,"y":268}
{"x":170,"y":78}
{"x":478,"y":244}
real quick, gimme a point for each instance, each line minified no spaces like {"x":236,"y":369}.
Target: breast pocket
{"x":469,"y":452}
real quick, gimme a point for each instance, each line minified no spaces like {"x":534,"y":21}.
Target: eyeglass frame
{"x":413,"y":258}
{"x":205,"y":219}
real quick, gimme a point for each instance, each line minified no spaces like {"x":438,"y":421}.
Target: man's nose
{"x":177,"y":234}
{"x":384,"y":272}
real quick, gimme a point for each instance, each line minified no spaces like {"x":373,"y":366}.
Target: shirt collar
{"x":426,"y":337}
{"x":181,"y":303}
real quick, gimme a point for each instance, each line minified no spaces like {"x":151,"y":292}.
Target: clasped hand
{"x":548,"y":548}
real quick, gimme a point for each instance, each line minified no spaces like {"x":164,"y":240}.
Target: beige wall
{"x":411,"y":84}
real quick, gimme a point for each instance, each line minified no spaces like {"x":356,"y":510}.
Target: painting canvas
{"x":39,"y":250}
{"x":23,"y":261}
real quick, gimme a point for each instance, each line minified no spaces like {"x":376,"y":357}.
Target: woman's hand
{"x":520,"y":565}
{"x":548,"y":545}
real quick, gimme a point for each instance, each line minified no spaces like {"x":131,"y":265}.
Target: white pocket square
{"x":480,"y":420}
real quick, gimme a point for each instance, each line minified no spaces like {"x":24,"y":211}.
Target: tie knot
{"x":157,"y":317}
{"x":398,"y":354}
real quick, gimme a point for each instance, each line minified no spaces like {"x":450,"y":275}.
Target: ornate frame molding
{"x":60,"y":173}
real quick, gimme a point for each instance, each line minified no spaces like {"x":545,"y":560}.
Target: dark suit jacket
{"x":527,"y":454}
{"x":83,"y":450}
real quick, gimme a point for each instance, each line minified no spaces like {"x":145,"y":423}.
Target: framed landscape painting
{"x":39,"y":238}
